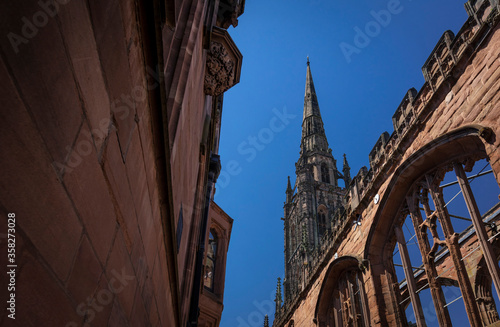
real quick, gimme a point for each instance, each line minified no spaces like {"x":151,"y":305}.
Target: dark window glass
{"x":208,"y":278}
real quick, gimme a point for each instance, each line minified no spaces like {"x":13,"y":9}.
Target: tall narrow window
{"x":325,"y":174}
{"x":347,"y":303}
{"x":208,"y":278}
{"x":321,"y":223}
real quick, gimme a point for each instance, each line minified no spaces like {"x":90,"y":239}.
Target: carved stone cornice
{"x":223,"y":66}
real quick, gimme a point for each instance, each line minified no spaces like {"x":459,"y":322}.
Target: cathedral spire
{"x":311,"y":106}
{"x":313,"y":132}
{"x":266,"y":321}
{"x":311,"y":204}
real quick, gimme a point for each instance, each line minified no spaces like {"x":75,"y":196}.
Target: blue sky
{"x":261,"y":121}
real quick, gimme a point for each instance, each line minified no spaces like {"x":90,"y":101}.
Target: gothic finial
{"x":347,"y":172}
{"x":307,"y":60}
{"x":266,"y":321}
{"x":289,"y":191}
{"x":278,"y":299}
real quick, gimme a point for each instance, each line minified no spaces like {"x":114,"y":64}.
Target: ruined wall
{"x":462,"y":94}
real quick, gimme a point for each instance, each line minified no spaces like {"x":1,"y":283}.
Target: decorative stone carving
{"x":219,"y":74}
{"x":223,"y":64}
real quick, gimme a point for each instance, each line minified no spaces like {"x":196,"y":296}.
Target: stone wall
{"x":459,"y":98}
{"x":103,"y":150}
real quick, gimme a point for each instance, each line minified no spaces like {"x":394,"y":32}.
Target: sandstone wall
{"x":468,"y":97}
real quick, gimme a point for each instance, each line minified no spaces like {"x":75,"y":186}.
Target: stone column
{"x":410,"y":279}
{"x":454,"y":250}
{"x":482,"y":235}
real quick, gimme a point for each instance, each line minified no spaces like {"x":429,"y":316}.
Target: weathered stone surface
{"x":102,"y":145}
{"x":120,"y":268}
{"x":85,"y":184}
{"x":86,"y":272}
{"x":44,"y":213}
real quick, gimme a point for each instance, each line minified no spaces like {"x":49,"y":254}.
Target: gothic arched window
{"x":325,"y":174}
{"x":210,"y":263}
{"x":434,"y":202}
{"x":322,"y":227}
{"x":348,"y":304}
{"x":342,"y":301}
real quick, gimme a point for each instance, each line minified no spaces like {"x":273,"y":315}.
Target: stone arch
{"x":221,"y":234}
{"x":218,"y":260}
{"x":466,"y":141}
{"x":335,"y":271}
{"x":446,"y":148}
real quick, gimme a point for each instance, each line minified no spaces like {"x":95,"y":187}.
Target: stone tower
{"x":310,"y":205}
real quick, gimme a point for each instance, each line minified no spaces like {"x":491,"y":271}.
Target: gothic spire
{"x":311,"y":107}
{"x":266,"y":321}
{"x":313,"y":132}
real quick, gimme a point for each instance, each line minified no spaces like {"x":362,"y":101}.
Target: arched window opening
{"x":322,"y":222}
{"x":446,"y":227}
{"x":347,"y":303}
{"x":342,"y":300}
{"x":211,"y":260}
{"x":325,"y":174}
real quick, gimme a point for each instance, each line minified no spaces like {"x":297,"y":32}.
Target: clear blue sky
{"x":357,"y":100}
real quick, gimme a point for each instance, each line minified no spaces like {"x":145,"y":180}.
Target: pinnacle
{"x":346,"y":164}
{"x":289,"y":186}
